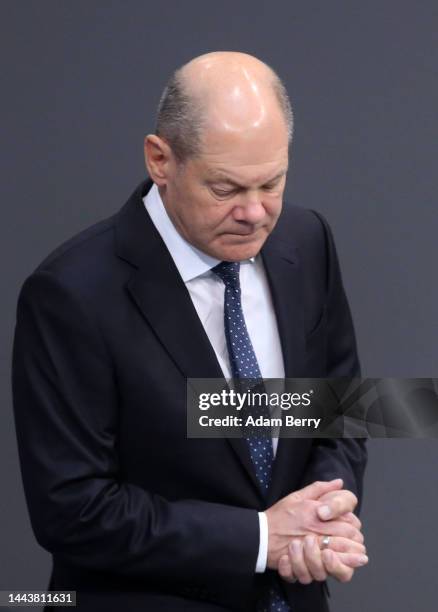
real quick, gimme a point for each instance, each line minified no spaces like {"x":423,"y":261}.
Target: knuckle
{"x":343,"y":578}
{"x":354,"y":500}
{"x":354,"y":534}
{"x":347,"y":576}
{"x":350,"y":518}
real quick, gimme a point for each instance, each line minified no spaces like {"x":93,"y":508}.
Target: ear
{"x":158,"y":157}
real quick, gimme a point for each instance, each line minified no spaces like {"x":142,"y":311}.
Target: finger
{"x":336,"y":528}
{"x":318,"y":488}
{"x":339,"y":504}
{"x":353,"y":560}
{"x":350,"y":517}
{"x":335,"y":567}
{"x":312,"y":558}
{"x":297,"y":562}
{"x":343,"y":545}
{"x":285,"y":569}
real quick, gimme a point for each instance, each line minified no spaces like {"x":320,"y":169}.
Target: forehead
{"x":224,"y":170}
{"x":243,"y":156}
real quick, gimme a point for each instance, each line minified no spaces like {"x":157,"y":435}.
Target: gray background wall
{"x":80,"y":83}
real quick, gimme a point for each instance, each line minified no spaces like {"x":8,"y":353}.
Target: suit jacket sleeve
{"x":338,"y":458}
{"x":65,"y":403}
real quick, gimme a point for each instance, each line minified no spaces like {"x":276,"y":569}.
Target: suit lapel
{"x":284,"y":276}
{"x":160,"y":293}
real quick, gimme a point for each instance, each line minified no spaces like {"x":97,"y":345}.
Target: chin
{"x":239,"y":252}
{"x":233,"y":248}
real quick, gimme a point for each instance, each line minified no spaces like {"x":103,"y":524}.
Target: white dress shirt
{"x":206,"y":290}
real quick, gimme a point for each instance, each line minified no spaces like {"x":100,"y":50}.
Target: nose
{"x":250,"y":210}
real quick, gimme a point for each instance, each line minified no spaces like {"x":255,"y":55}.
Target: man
{"x":113,"y":322}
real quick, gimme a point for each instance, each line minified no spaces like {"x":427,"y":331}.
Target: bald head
{"x":221,"y":94}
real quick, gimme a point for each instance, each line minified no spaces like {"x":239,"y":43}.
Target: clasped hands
{"x":297,"y":525}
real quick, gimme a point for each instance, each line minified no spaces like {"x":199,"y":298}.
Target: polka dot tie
{"x":243,"y":362}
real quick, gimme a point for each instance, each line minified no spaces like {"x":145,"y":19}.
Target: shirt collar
{"x":190,"y":261}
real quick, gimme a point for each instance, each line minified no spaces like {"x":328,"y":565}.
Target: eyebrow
{"x":217,"y":175}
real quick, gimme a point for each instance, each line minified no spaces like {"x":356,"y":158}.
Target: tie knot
{"x":228,"y":272}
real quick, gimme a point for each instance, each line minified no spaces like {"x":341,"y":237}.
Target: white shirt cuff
{"x":262,"y":559}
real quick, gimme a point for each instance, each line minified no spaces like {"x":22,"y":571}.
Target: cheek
{"x":273,"y":207}
{"x":209,"y":213}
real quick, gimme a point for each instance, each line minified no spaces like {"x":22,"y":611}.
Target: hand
{"x":297,"y":515}
{"x":306,"y":561}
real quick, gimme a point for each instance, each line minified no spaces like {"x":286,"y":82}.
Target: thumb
{"x":318,"y":488}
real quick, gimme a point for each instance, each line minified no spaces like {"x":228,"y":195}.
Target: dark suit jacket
{"x":137,"y":516}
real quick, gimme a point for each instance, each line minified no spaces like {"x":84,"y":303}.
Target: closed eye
{"x":270,"y":186}
{"x":224,"y":193}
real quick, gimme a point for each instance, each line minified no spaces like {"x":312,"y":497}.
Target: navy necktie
{"x":244,"y":365}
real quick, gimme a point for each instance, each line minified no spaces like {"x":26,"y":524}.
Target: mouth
{"x":246,"y":233}
{"x":236,"y":239}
